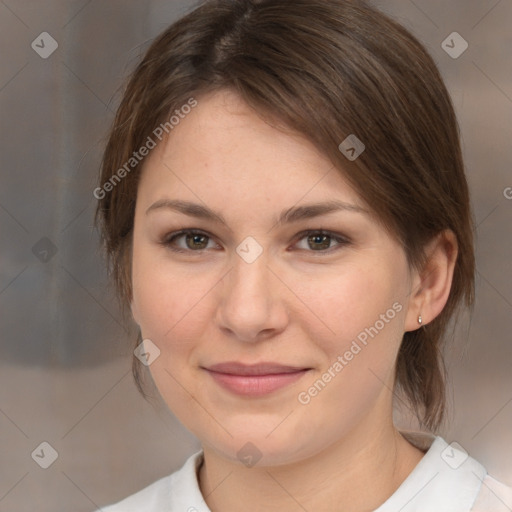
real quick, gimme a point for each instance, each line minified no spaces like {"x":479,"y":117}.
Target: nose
{"x":250,"y":307}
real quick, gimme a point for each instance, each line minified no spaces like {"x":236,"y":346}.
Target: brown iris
{"x":319,"y":241}
{"x":195,"y":241}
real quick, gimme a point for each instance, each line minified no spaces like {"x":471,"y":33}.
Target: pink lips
{"x":254,"y":380}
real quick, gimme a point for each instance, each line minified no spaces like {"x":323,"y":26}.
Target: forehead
{"x":224,"y":148}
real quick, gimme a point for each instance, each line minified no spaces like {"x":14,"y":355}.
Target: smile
{"x":254,"y":380}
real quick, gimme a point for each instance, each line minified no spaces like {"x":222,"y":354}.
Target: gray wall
{"x":65,"y":354}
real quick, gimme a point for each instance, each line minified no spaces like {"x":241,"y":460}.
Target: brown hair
{"x":327,"y":69}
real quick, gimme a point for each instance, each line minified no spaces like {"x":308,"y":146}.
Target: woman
{"x":284,"y":207}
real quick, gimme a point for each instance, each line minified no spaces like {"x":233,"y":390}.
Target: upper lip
{"x":235,"y":368}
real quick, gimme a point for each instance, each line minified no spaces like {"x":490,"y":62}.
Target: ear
{"x":432,"y":284}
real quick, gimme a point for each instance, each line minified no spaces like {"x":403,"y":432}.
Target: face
{"x":276,"y":299}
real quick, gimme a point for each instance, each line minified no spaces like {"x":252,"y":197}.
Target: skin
{"x":295,"y":305}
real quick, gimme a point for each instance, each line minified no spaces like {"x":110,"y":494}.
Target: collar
{"x":446,"y":479}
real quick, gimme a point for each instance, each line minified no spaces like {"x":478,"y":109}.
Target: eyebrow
{"x":293,"y":214}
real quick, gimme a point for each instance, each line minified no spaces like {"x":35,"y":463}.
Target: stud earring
{"x":420,"y":320}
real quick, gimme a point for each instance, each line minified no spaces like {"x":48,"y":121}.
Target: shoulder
{"x":494,"y":496}
{"x":177,"y":492}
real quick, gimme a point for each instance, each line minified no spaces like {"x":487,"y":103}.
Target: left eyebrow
{"x":310,"y":211}
{"x":293,"y":214}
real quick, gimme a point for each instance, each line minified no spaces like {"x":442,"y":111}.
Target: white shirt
{"x":445,"y":480}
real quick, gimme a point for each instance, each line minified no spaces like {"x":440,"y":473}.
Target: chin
{"x":264,"y":440}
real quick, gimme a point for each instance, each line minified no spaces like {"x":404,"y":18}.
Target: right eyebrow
{"x":188,"y":208}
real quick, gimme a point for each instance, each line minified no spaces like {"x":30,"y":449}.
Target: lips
{"x":254,"y":380}
{"x":234,"y":368}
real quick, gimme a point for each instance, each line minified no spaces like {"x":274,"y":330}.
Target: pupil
{"x":319,"y":241}
{"x":196,"y":241}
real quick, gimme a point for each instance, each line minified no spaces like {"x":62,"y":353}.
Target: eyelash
{"x":341,"y":241}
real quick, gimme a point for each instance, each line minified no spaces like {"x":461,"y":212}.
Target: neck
{"x":358,"y":473}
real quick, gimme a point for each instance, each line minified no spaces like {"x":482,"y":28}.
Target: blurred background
{"x":65,"y":375}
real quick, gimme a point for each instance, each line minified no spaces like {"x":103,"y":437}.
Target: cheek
{"x":173,"y":308}
{"x":358,"y":326}
{"x":170,"y":309}
{"x":169,"y":302}
{"x":348,"y":302}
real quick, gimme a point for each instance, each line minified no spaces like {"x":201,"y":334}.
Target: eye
{"x":320,"y":241}
{"x":191,"y":240}
{"x":188,"y":240}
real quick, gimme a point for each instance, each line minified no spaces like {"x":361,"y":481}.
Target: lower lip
{"x":255,"y":385}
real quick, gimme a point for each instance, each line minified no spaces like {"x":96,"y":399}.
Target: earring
{"x":420,"y":320}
